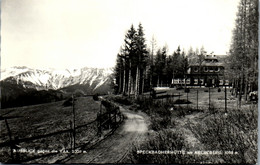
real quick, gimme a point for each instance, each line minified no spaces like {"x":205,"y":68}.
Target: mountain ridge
{"x":44,"y":79}
{"x":22,"y":86}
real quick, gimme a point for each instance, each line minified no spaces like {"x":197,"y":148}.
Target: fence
{"x":108,"y":118}
{"x":69,"y":140}
{"x":198,"y":98}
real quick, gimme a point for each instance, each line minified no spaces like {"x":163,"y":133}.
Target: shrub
{"x":182,"y":101}
{"x":121,"y":100}
{"x":179,"y":87}
{"x":95,"y":97}
{"x":164,"y":140}
{"x":67,"y":102}
{"x":232,"y":131}
{"x":187,"y":90}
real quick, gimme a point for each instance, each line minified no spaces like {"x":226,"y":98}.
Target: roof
{"x":219,"y":62}
{"x":209,"y":64}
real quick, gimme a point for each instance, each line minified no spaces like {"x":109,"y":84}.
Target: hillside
{"x":15,"y":95}
{"x":22,"y":86}
{"x":41,"y":79}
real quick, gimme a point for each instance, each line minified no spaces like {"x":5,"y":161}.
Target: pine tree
{"x":141,"y":54}
{"x":243,"y":57}
{"x":118,"y":74}
{"x":130,"y":49}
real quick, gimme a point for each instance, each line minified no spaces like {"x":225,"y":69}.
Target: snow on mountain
{"x":56,"y":79}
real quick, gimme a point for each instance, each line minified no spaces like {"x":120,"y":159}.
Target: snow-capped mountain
{"x":57,"y":79}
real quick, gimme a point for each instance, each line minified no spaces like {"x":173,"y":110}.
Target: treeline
{"x":242,"y":64}
{"x":139,"y":68}
{"x":15,"y":95}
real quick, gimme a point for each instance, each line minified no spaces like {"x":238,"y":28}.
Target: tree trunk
{"x":129,"y":80}
{"x":120,"y":82}
{"x":144,"y":76}
{"x":158,"y":81}
{"x":137,"y":80}
{"x":151,"y":78}
{"x":124,"y":80}
{"x":240,"y":92}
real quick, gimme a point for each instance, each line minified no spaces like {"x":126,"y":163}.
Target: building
{"x":209,"y":72}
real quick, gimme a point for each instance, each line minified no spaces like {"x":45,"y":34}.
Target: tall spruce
{"x":130,"y":49}
{"x":141,"y":56}
{"x":243,"y":59}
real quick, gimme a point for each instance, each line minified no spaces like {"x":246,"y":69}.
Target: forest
{"x":140,"y":67}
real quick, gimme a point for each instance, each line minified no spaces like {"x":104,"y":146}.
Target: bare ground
{"x":114,"y":148}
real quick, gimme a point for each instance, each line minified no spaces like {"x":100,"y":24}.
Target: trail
{"x":115,"y":147}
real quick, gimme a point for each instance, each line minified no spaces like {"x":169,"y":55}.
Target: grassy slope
{"x":42,"y":119}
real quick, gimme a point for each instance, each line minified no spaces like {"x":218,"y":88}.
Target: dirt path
{"x":115,"y":147}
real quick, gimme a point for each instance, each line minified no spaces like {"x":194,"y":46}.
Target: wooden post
{"x":100,"y":109}
{"x":225,"y":99}
{"x":99,"y":132}
{"x":115,"y":124}
{"x":179,"y":98}
{"x":71,"y":136}
{"x":10,"y":140}
{"x":17,"y":155}
{"x":109,"y":119}
{"x":209,"y":98}
{"x":197,"y":99}
{"x":74,"y":122}
{"x":187,"y":98}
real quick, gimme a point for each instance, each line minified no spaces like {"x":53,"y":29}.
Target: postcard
{"x":129,"y":82}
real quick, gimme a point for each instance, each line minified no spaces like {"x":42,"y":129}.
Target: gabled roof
{"x":208,"y":64}
{"x":219,"y":62}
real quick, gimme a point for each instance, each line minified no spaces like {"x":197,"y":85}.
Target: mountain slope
{"x":15,"y":95}
{"x":91,"y":79}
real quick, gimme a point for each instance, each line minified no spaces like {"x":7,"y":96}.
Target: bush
{"x":187,"y":90}
{"x":121,"y":100}
{"x":95,"y":97}
{"x":182,"y":101}
{"x":165,"y":140}
{"x":232,"y":131}
{"x":67,"y":102}
{"x":179,"y":87}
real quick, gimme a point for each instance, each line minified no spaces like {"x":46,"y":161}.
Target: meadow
{"x":47,"y":127}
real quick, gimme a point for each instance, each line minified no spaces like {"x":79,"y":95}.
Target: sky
{"x":88,"y":33}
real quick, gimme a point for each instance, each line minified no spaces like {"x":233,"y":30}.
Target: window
{"x":201,"y":81}
{"x":182,"y":81}
{"x":226,"y":82}
{"x":220,"y":82}
{"x":195,"y":81}
{"x":176,"y":81}
{"x":188,"y":81}
{"x":206,"y":69}
{"x":196,"y":69}
{"x":210,"y":69}
{"x":217,"y":69}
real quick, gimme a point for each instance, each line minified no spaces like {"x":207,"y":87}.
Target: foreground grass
{"x":225,"y":137}
{"x":37,"y":120}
